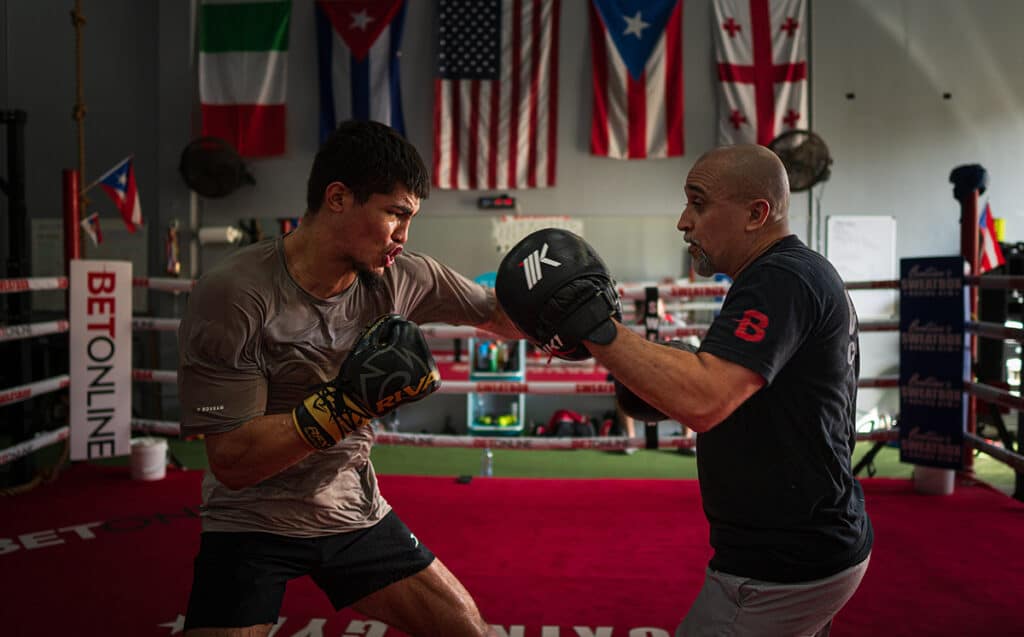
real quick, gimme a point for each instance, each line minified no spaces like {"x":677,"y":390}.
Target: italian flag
{"x":243,"y":72}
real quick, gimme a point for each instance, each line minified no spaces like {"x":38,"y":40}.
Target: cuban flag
{"x":991,"y":252}
{"x":358,"y":49}
{"x":119,"y":183}
{"x":636,"y":50}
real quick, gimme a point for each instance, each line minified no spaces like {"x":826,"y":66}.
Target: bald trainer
{"x":771,"y":392}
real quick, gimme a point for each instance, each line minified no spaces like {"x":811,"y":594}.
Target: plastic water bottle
{"x":487,"y":463}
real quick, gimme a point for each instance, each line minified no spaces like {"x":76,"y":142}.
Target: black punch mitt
{"x":557,"y":291}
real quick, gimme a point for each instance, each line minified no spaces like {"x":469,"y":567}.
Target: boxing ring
{"x":542,"y":557}
{"x":680,"y":291}
{"x":666,"y":511}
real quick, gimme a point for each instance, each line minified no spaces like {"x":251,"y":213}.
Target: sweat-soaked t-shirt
{"x":252,"y":342}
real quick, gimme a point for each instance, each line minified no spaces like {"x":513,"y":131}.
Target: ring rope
{"x":170,"y":428}
{"x":432,"y":330}
{"x":994,"y":395}
{"x":32,"y":284}
{"x":30,"y":330}
{"x":21,"y":393}
{"x":994,"y":330}
{"x":1014,"y":460}
{"x":541,"y":388}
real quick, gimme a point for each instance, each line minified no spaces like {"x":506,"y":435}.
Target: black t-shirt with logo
{"x":775,"y":476}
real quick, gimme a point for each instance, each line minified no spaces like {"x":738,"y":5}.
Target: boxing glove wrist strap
{"x":327,"y":416}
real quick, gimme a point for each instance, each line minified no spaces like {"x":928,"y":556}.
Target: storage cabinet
{"x":497,"y":360}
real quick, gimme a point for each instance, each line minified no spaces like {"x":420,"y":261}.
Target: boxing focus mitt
{"x":558,"y":292}
{"x":636,"y":407}
{"x":389,"y":364}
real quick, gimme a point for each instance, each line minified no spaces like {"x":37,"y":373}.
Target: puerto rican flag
{"x":119,"y":184}
{"x":991,"y":252}
{"x":761,"y":47}
{"x":636,"y":51}
{"x":358,"y":49}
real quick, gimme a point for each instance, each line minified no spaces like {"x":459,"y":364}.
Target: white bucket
{"x":149,"y":458}
{"x":933,"y":481}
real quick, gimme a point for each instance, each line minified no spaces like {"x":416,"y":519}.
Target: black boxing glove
{"x":390,"y":364}
{"x":558,"y":292}
{"x":636,"y":407}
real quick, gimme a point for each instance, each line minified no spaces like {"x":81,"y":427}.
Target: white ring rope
{"x":441,"y":331}
{"x":32,"y":284}
{"x":687,"y":291}
{"x":21,"y":393}
{"x":525,"y":443}
{"x":674,"y":290}
{"x":540,"y":388}
{"x":30,"y":330}
{"x":44,"y":439}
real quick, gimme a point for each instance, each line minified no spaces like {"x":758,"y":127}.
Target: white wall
{"x":894,"y":143}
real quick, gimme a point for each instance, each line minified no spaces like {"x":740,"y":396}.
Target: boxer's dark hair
{"x":369,"y":158}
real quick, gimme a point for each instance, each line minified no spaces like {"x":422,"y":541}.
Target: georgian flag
{"x":358,"y":51}
{"x":636,"y":51}
{"x":761,"y":49}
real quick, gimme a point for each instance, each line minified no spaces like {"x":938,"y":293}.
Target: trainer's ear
{"x":759,"y":210}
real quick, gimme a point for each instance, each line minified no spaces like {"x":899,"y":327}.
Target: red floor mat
{"x":96,"y":553}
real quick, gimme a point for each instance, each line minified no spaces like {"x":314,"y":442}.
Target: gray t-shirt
{"x":252,"y":342}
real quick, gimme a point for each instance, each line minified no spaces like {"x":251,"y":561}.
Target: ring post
{"x":72,"y":246}
{"x":969,"y":183}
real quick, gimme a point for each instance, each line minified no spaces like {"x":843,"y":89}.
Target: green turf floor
{"x":583,"y":463}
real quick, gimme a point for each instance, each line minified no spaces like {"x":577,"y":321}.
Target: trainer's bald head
{"x":749,"y":171}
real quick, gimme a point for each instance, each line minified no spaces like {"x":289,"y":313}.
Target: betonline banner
{"x":101,"y":358}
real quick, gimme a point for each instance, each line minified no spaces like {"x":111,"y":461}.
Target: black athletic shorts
{"x":239,"y":578}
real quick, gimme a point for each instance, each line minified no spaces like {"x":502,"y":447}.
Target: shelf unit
{"x":496,"y":414}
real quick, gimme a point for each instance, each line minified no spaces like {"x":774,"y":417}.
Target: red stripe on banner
{"x":456,"y":107}
{"x":637,"y":107}
{"x":674,"y":81}
{"x":764,"y":89}
{"x":736,"y":73}
{"x":552,"y":107}
{"x":474,"y":131}
{"x":513,"y":114}
{"x":599,"y":75}
{"x":789,"y":72}
{"x":438,"y":108}
{"x":254,"y":130}
{"x":536,"y":30}
{"x":493,"y":135}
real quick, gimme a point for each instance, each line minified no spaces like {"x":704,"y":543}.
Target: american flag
{"x":496,"y":94}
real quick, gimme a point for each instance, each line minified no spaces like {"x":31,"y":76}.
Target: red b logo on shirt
{"x":752,"y":325}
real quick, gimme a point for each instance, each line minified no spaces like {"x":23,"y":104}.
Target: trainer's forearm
{"x":674,"y":382}
{"x":262,"y":447}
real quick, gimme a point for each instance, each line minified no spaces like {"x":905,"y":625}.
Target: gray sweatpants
{"x":731,"y":606}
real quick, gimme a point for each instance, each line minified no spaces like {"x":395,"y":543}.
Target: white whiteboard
{"x":863,"y":248}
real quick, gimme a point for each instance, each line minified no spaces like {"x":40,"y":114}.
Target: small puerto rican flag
{"x":119,"y":183}
{"x":991,"y":252}
{"x":91,"y":226}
